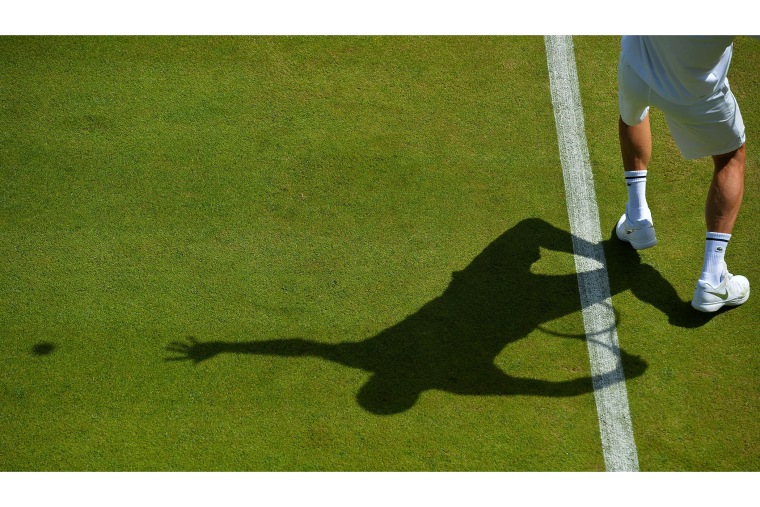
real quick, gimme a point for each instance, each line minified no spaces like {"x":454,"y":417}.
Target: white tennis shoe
{"x":639,"y":234}
{"x":732,"y":291}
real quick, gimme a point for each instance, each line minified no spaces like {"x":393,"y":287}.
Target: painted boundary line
{"x":610,"y":393}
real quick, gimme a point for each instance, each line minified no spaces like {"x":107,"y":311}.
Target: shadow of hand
{"x":193,"y":350}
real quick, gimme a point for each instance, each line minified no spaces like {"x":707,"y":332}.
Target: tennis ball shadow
{"x":43,"y":349}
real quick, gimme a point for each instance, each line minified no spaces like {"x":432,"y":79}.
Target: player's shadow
{"x":451,"y":343}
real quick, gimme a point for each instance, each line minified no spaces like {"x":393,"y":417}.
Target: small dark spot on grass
{"x":43,"y":349}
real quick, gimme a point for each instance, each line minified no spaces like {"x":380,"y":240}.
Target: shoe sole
{"x":643,"y":246}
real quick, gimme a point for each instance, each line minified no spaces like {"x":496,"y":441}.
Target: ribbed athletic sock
{"x":715,"y":251}
{"x":637,"y":207}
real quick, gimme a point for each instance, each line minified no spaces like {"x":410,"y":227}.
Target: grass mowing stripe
{"x":598,"y":317}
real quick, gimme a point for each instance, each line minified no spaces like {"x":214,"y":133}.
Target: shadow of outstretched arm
{"x":197,"y":351}
{"x":395,"y":387}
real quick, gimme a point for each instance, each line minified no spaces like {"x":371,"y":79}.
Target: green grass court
{"x":344,"y":254}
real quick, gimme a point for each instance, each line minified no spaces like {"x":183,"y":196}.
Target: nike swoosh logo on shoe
{"x":719,"y":295}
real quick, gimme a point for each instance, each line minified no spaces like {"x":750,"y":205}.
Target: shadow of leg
{"x":626,"y":271}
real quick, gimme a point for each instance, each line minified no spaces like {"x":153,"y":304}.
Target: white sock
{"x":715,"y":250}
{"x":637,"y":207}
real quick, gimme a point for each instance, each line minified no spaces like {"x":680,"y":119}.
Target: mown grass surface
{"x":298,"y":206}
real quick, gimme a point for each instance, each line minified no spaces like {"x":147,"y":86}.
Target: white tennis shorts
{"x":708,"y":127}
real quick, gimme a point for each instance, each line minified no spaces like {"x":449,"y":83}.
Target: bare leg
{"x":714,"y":290}
{"x":726,"y":191}
{"x":635,"y":145}
{"x":636,"y":150}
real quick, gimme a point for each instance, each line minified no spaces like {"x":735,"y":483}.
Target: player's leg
{"x":717,"y":287}
{"x":636,"y":151}
{"x":726,"y":191}
{"x":635,"y":144}
{"x":716,"y":126}
{"x":635,"y":225}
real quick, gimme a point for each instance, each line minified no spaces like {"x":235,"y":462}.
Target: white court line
{"x":610,"y":393}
